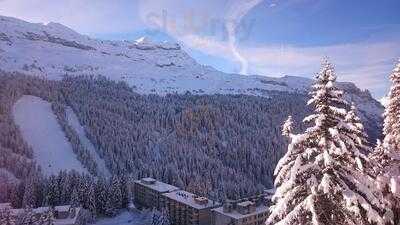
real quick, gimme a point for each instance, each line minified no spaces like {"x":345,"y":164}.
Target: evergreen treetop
{"x":321,"y":180}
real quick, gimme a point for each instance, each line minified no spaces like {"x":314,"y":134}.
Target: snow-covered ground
{"x":53,"y":50}
{"x":73,"y":121}
{"x":40,"y":129}
{"x":125,"y":218}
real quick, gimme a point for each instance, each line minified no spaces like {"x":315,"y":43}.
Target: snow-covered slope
{"x":53,"y":50}
{"x":40,"y":129}
{"x":73,"y":121}
{"x":124,"y":218}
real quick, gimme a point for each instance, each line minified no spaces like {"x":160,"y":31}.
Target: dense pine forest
{"x":220,"y":146}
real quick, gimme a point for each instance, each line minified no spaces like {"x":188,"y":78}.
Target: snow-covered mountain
{"x":53,"y":50}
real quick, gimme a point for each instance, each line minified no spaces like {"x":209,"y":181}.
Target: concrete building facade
{"x":249,"y":211}
{"x":148,"y":192}
{"x":185,"y":208}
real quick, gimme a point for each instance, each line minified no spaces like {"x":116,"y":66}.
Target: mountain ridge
{"x":53,"y":50}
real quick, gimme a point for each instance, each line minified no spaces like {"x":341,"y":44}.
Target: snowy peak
{"x":143,"y":40}
{"x":16,"y":28}
{"x":53,"y":50}
{"x":145,"y":43}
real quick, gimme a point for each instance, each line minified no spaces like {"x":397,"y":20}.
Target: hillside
{"x":218,"y":145}
{"x":53,"y":50}
{"x":138,"y":108}
{"x":40,"y":129}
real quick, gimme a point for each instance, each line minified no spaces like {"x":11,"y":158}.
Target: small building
{"x":62,"y":215}
{"x":185,"y":208}
{"x":5,"y":206}
{"x":248,"y":211}
{"x":148,"y":192}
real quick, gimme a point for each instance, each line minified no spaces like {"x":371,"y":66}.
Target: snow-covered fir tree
{"x":101,"y":195}
{"x":287,"y":127}
{"x":321,"y":179}
{"x":155,"y":217}
{"x":392,"y":120}
{"x":75,"y":199}
{"x":6,"y":218}
{"x":27,"y":217}
{"x":116,"y":193}
{"x":361,"y":138}
{"x":91,"y":204}
{"x":114,"y":198}
{"x":29,"y":198}
{"x":53,"y":193}
{"x":386,"y":156}
{"x":47,"y":218}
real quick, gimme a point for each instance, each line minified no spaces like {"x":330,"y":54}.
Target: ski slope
{"x":40,"y":129}
{"x":73,"y":122}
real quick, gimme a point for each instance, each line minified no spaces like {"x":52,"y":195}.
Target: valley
{"x":81,"y":119}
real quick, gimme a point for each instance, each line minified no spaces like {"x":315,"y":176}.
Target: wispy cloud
{"x":201,"y":25}
{"x":366,"y":64}
{"x":237,"y":11}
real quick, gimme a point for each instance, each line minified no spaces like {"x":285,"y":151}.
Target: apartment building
{"x":148,"y":192}
{"x":185,"y":208}
{"x":249,"y":211}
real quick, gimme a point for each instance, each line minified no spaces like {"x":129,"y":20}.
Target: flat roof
{"x":270,"y":191}
{"x":246,"y":203}
{"x":5,"y":206}
{"x":63,"y":208}
{"x":237,"y":215}
{"x":157,"y":185}
{"x":187,"y":198}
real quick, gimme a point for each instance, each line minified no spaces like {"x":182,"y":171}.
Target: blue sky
{"x":265,"y":37}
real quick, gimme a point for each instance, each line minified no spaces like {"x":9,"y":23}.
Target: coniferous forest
{"x":220,"y":146}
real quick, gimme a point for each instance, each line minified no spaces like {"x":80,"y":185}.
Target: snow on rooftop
{"x":41,"y":210}
{"x":270,"y":191}
{"x":237,"y":215}
{"x":149,"y":179}
{"x":62,"y":208}
{"x":4,"y":206}
{"x":189,"y":199}
{"x":156,"y":185}
{"x":246,"y":203}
